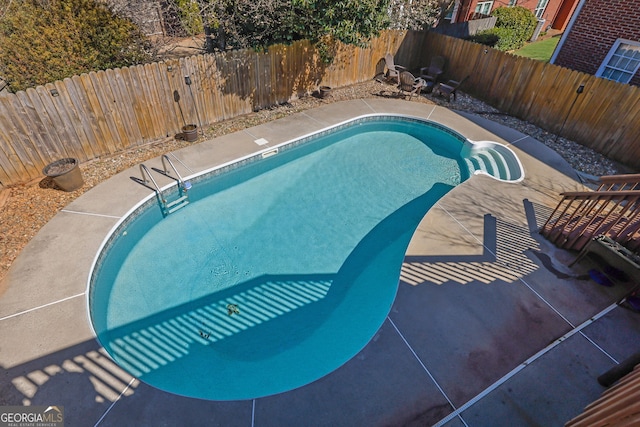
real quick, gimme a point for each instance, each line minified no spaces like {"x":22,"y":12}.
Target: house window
{"x":542,"y":5}
{"x":513,"y":3}
{"x":622,"y":62}
{"x":452,"y":12}
{"x":484,"y":7}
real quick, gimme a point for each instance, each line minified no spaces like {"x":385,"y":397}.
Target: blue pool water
{"x":307,"y":244}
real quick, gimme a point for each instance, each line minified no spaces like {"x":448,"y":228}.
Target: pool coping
{"x":44,"y":314}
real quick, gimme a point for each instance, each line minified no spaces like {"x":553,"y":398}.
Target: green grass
{"x":539,"y":50}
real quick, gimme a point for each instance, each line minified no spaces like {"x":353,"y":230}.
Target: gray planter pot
{"x":324,"y":91}
{"x":65,"y":173}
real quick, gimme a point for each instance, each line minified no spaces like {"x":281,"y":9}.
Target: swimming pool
{"x":281,"y":269}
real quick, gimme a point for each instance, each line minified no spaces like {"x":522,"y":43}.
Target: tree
{"x":232,"y":24}
{"x":46,"y":40}
{"x":417,"y":14}
{"x":259,"y":23}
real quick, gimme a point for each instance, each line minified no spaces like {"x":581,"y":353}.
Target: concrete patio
{"x":489,"y":326}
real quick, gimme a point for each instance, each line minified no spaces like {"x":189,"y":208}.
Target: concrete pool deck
{"x":488,"y":327}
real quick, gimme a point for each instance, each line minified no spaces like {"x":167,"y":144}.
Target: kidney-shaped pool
{"x":284,"y":265}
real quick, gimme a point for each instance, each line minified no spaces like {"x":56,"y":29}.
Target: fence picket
{"x":7,"y":170}
{"x":135,"y":105}
{"x":552,"y":89}
{"x":515,"y":84}
{"x":589,"y":112}
{"x":108,"y":102}
{"x":13,"y":158}
{"x":100,"y":114}
{"x":165,"y":96}
{"x":204,"y":89}
{"x":41,"y":97}
{"x":155,"y":117}
{"x":24,"y":149}
{"x":140,"y":103}
{"x":614,"y":105}
{"x":35,"y":128}
{"x":81,"y":118}
{"x":629,"y":113}
{"x":124,"y":104}
{"x":25,"y":133}
{"x":217,"y":78}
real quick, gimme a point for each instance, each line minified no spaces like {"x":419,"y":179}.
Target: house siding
{"x":467,"y":8}
{"x":594,"y":32}
{"x":551,"y":12}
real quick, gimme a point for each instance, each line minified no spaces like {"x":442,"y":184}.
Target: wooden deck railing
{"x":612,"y":210}
{"x":617,"y":406}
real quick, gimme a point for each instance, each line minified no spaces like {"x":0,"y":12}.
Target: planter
{"x":324,"y":91}
{"x":190,"y":133}
{"x":65,"y":173}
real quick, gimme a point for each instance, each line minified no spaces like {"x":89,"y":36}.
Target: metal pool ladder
{"x":168,"y":207}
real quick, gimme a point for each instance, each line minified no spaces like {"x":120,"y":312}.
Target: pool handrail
{"x":183,"y":185}
{"x":144,"y":170}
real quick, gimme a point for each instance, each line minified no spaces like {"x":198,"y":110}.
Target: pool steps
{"x":487,"y":159}
{"x":183,"y":186}
{"x":177,"y":204}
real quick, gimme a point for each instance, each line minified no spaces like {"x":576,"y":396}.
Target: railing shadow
{"x":503,"y":259}
{"x":507,"y":255}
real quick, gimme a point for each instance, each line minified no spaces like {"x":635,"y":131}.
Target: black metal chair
{"x":434,"y":70}
{"x":448,"y":89}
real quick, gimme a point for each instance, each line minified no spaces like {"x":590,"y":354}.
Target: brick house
{"x":555,"y":13}
{"x":603,"y":39}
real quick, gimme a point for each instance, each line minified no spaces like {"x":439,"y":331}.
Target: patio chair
{"x":434,"y":70}
{"x":380,"y":70}
{"x":393,"y":70}
{"x":410,"y":84}
{"x":448,"y":89}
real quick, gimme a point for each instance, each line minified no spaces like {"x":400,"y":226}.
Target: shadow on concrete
{"x":268,"y":305}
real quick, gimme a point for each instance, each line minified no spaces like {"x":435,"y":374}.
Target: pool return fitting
{"x":167,"y":206}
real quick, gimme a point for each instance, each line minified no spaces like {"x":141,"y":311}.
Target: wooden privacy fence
{"x":605,"y":116}
{"x":106,"y":112}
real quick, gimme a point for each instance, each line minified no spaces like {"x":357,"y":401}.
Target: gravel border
{"x":26,"y":208}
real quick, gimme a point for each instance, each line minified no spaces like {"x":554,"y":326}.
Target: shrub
{"x":189,"y":14}
{"x":486,"y":37}
{"x":515,"y":25}
{"x":41,"y":42}
{"x":508,"y":39}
